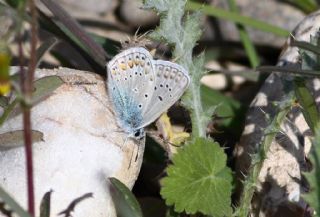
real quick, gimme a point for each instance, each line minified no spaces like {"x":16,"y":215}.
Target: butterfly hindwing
{"x":171,"y":80}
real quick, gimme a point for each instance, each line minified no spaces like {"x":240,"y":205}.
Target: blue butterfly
{"x":141,"y":88}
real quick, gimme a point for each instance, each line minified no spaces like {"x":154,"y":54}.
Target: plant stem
{"x":28,"y":151}
{"x":27,"y":88}
{"x":270,"y":132}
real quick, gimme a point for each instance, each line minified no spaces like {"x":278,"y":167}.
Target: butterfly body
{"x":142,"y":88}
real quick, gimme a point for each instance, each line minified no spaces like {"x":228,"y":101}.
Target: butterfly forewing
{"x":131,"y":79}
{"x":171,"y":80}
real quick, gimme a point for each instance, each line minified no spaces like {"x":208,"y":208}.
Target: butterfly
{"x":141,"y":88}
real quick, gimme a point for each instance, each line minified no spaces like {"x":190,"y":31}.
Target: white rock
{"x":81,"y":147}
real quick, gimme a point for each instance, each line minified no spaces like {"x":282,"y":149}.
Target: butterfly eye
{"x":137,"y":134}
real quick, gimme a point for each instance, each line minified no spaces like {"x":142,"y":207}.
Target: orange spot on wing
{"x":122,"y":66}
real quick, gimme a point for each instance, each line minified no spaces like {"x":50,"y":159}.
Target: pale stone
{"x":81,"y":147}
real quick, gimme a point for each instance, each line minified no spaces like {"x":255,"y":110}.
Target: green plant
{"x":181,"y":31}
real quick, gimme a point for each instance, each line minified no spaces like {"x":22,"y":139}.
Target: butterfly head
{"x":138,"y":134}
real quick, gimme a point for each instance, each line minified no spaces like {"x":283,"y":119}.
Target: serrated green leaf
{"x":45,"y":204}
{"x":125,"y":203}
{"x":15,"y":139}
{"x":199,"y":180}
{"x":14,"y":206}
{"x":313,"y":177}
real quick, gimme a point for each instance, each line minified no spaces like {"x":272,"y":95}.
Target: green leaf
{"x":236,"y":18}
{"x":125,"y":203}
{"x":307,"y":6}
{"x":76,"y":33}
{"x":15,"y":139}
{"x":306,"y":100}
{"x":18,"y":4}
{"x":230,"y":109}
{"x":293,"y":71}
{"x":45,"y":204}
{"x":8,"y":110}
{"x":305,"y":46}
{"x":313,"y":177}
{"x":46,"y":46}
{"x":245,"y":38}
{"x":199,"y":180}
{"x":14,"y":206}
{"x":44,"y":86}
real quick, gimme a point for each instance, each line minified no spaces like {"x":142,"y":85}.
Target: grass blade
{"x":236,"y":18}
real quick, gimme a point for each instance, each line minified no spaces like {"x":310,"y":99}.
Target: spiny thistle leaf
{"x":198,"y":180}
{"x":182,"y":31}
{"x":313,"y":177}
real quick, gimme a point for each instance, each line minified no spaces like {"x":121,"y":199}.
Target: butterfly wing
{"x":131,"y":80}
{"x":171,"y":80}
